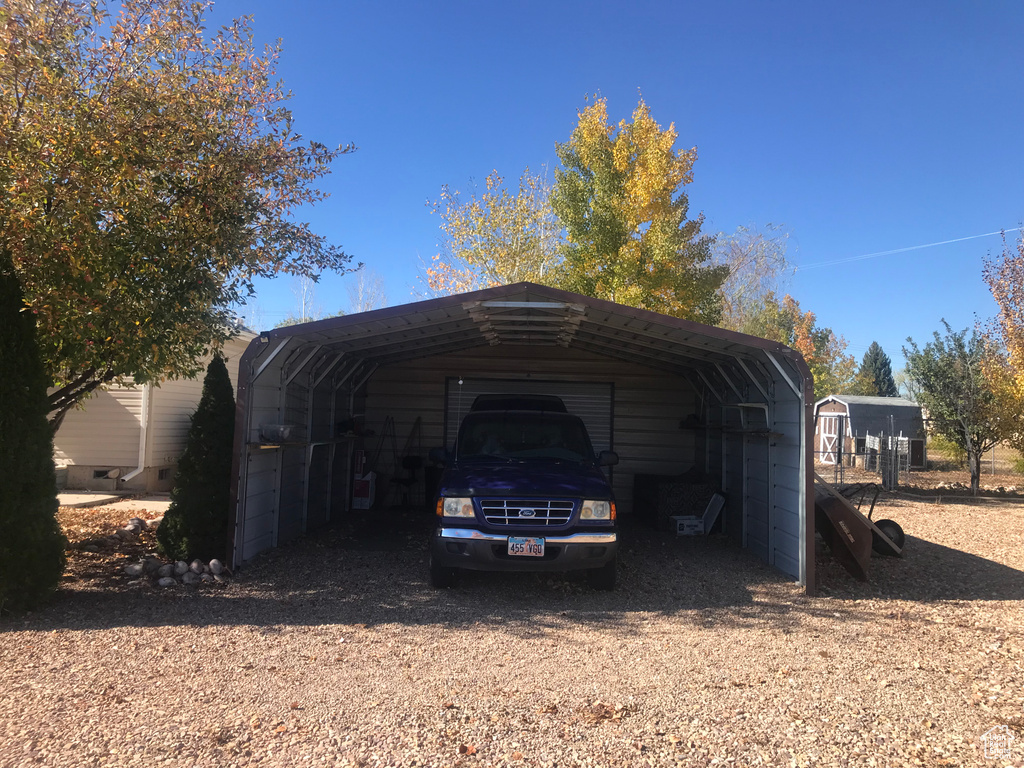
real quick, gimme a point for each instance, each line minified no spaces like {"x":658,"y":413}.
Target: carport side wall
{"x":648,"y":404}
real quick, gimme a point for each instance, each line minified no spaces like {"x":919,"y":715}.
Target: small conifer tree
{"x":196,"y":523}
{"x":31,"y":543}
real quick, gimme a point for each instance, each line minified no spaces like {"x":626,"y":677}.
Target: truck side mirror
{"x":607,"y":458}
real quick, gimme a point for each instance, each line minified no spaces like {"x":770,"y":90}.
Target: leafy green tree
{"x":874,"y":378}
{"x":31,"y":542}
{"x":619,"y":197}
{"x":196,"y":523}
{"x":495,"y":238}
{"x":150,"y":173}
{"x":953,"y":387}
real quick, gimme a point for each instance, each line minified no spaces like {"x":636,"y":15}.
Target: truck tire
{"x":603,"y":578}
{"x":442,"y":577}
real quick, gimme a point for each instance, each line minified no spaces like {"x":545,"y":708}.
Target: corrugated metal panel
{"x":757,"y":524}
{"x":293,"y":489}
{"x":787,"y":476}
{"x":260,"y":504}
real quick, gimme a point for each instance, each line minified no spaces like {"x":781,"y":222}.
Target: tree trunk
{"x":974,"y":463}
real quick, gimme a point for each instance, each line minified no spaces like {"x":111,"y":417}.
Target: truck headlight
{"x":456,"y":507}
{"x":598,"y":510}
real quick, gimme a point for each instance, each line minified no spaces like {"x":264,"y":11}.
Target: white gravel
{"x":334,"y":651}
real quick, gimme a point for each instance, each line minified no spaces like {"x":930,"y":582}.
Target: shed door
{"x":829,"y":438}
{"x":591,"y":401}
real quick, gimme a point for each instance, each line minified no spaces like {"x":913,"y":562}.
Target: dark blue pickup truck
{"x":523,"y":491}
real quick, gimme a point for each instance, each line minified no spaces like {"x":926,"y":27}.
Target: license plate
{"x":525,"y":547}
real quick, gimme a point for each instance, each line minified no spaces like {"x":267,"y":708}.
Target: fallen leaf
{"x":448,"y":705}
{"x":294,"y":705}
{"x":467,"y":749}
{"x":517,"y":755}
{"x":281,"y":729}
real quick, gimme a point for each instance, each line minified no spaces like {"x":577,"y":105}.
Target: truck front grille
{"x":535,"y":512}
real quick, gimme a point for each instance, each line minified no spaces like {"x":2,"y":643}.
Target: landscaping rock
{"x":124,"y":534}
{"x":216,"y":567}
{"x":165,"y":570}
{"x":139,"y":522}
{"x":154,"y":523}
{"x":196,"y":566}
{"x":180,"y":568}
{"x":221,"y":578}
{"x":207,"y":577}
{"x":190,"y":578}
{"x":135,"y":569}
{"x":166,"y":581}
{"x":132,"y":529}
{"x":152,"y":564}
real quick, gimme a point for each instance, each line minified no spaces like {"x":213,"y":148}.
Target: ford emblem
{"x":527,"y":512}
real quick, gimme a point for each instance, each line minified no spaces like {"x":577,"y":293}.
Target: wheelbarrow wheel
{"x":891,"y":529}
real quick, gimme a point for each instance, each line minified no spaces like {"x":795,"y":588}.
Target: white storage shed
{"x":669,"y":395}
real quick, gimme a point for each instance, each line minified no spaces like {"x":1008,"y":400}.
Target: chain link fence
{"x":887,"y":460}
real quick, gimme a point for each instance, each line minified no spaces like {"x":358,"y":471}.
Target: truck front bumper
{"x":479,"y":551}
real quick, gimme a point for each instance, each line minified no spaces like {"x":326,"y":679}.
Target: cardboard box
{"x":364,"y":489}
{"x":688,"y":526}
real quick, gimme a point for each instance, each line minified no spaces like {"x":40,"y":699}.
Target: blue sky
{"x":862,"y":127}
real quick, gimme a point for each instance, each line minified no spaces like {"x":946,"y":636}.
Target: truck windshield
{"x":518,"y":435}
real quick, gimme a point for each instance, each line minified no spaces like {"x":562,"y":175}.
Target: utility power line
{"x":901,"y":250}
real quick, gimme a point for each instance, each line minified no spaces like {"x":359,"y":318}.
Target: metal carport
{"x":682,"y":395}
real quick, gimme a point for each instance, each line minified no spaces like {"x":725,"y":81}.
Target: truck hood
{"x":526,"y":478}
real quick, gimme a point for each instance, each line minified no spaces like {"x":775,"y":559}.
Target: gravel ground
{"x":334,"y":651}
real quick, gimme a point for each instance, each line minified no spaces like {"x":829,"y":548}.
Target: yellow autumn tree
{"x":628,"y":239}
{"x":1004,"y":364}
{"x":497,"y":237}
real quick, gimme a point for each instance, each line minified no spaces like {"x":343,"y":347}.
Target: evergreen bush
{"x":31,"y":542}
{"x":196,"y":523}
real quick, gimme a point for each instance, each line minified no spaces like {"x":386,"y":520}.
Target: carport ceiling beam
{"x":413,"y":352}
{"x":664,"y":338}
{"x":637,"y":347}
{"x":782,"y":372}
{"x":417,"y":342}
{"x":270,"y":358}
{"x":753,"y":378}
{"x":728,"y":381}
{"x":302,"y":365}
{"x":662,"y":341}
{"x":629,"y":356}
{"x":711,"y":389}
{"x":328,"y":370}
{"x":355,"y":367}
{"x":470,"y":306}
{"x":369,"y":373}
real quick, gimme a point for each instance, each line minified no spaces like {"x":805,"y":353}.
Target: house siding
{"x":104,"y":432}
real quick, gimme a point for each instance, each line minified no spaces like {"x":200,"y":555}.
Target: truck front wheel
{"x":442,"y":577}
{"x":603,"y":578}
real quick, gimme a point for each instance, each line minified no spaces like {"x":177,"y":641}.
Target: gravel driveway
{"x":335,"y":651}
